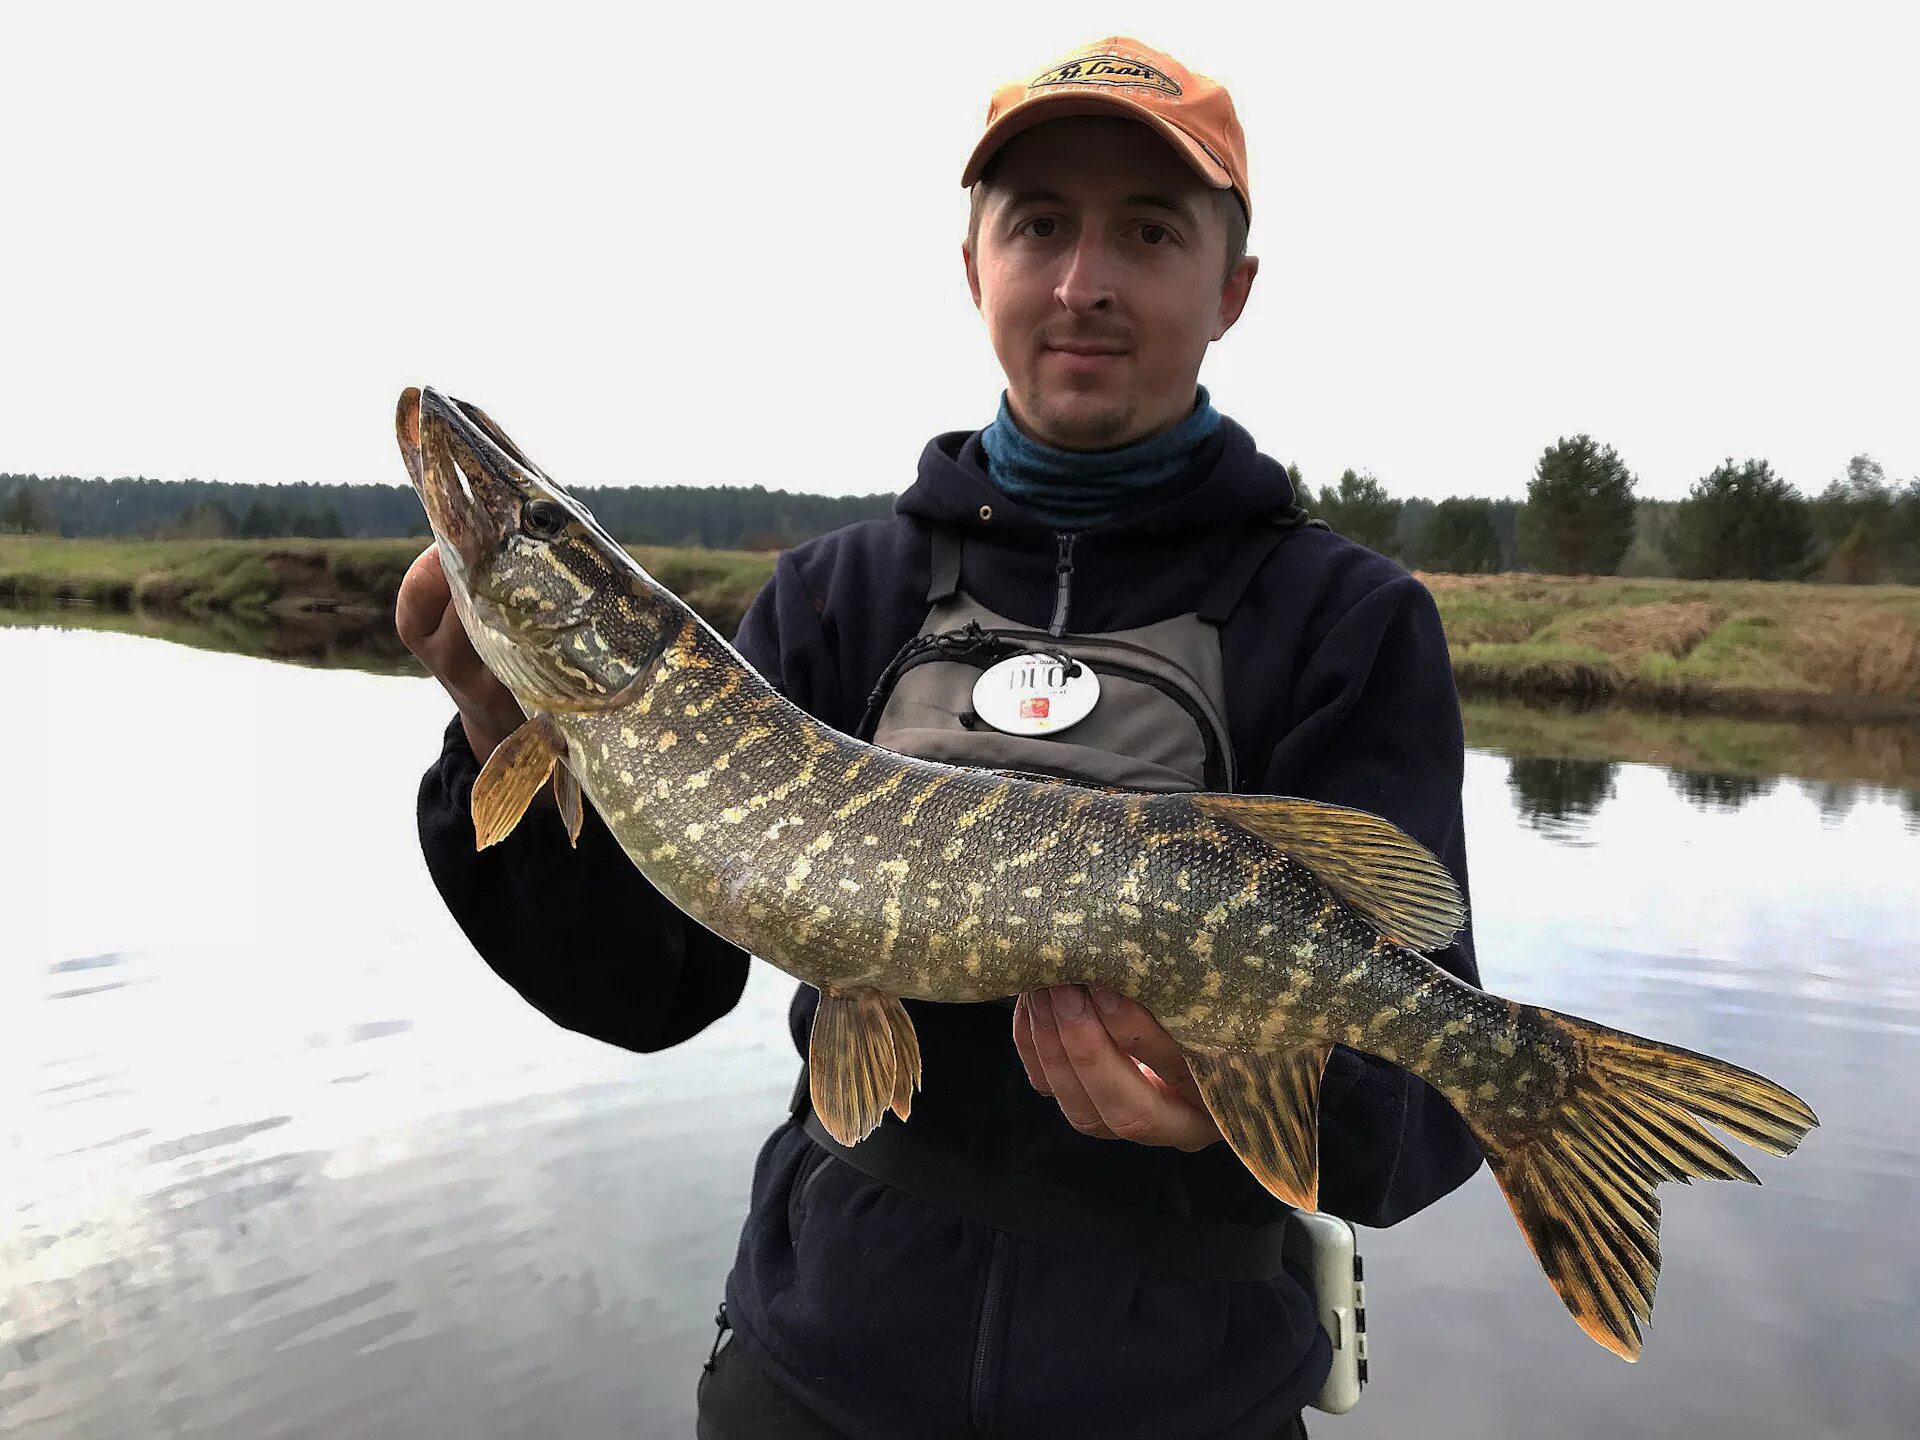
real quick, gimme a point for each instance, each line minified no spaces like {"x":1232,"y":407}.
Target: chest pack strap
{"x":937,"y":1174}
{"x":1216,"y":604}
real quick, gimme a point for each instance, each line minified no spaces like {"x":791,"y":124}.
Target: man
{"x":1056,"y":1245}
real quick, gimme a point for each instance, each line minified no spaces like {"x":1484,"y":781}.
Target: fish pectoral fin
{"x":1393,"y":881}
{"x":863,"y":1058}
{"x":512,"y":776}
{"x":566,"y":794}
{"x":1267,"y":1104}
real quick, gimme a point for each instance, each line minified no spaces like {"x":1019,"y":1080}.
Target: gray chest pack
{"x":1159,"y":724}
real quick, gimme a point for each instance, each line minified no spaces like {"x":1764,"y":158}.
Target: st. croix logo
{"x":1106,"y":70}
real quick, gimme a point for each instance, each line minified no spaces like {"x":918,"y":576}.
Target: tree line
{"x":1580,"y":516}
{"x":745,"y":517}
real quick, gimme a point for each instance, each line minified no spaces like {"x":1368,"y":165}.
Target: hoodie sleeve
{"x":581,"y":934}
{"x":1377,"y":726}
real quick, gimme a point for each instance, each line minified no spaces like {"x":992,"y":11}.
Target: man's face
{"x":1096,"y":236}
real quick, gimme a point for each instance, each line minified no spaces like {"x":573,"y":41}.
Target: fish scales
{"x":1260,"y":931}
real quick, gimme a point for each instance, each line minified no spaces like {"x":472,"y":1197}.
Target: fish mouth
{"x":470,"y":477}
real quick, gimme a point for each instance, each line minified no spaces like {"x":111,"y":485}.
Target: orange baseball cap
{"x":1121,"y":76}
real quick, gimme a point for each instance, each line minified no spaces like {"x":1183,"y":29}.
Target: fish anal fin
{"x":512,"y":776}
{"x":566,"y":794}
{"x":1395,"y":883}
{"x":1267,"y":1104}
{"x":863,"y":1059}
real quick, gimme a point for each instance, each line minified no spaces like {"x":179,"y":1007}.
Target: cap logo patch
{"x":1106,"y":70}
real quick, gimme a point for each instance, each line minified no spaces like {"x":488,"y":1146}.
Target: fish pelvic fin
{"x":512,"y":776}
{"x":566,"y":795}
{"x":1267,"y":1104}
{"x":1393,"y":881}
{"x":863,"y":1059}
{"x":1582,"y":1188}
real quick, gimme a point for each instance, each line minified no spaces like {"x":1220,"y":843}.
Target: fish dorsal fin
{"x":512,"y":776}
{"x":1267,"y":1104}
{"x":862,"y":1060}
{"x":1393,"y":881}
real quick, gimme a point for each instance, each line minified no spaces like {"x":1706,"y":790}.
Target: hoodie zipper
{"x":1062,"y":581}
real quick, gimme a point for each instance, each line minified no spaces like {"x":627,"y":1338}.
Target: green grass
{"x":1746,"y":647}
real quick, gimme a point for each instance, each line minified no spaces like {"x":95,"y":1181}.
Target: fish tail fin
{"x":1582,"y":1184}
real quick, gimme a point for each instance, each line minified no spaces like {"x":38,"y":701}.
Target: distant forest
{"x":1580,"y":516}
{"x":729,"y":517}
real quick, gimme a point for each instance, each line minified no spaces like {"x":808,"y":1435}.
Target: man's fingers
{"x":1135,"y":1031}
{"x":423,"y":602}
{"x":1062,"y":1076}
{"x":1023,"y":1044}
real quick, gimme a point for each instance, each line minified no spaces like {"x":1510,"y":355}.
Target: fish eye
{"x":542,"y":519}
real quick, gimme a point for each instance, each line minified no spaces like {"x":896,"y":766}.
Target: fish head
{"x":555,"y":606}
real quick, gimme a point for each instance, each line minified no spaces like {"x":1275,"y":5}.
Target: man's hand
{"x":430,"y":627}
{"x":1116,"y":1074}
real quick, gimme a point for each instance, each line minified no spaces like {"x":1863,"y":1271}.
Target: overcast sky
{"x":724,"y":247}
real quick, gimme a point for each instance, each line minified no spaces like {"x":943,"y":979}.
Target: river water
{"x":280,"y":1157}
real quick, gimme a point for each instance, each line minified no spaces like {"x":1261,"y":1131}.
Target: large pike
{"x":1260,"y":931}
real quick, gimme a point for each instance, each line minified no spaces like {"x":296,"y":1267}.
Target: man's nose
{"x":1087,"y":284}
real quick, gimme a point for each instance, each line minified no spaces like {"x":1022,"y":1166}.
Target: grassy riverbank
{"x":1847,"y":652}
{"x":1843,"y":652}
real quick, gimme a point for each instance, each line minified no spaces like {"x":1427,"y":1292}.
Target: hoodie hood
{"x":1228,"y":483}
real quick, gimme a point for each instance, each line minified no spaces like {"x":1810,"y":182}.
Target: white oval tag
{"x":1034,"y":695}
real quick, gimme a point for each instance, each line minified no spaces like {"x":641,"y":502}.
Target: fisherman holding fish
{"x":1111,"y":585}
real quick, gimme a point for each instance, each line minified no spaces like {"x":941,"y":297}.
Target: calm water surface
{"x":280,"y":1157}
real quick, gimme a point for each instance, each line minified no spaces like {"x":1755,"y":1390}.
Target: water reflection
{"x":282,"y":1157}
{"x":1719,"y":792}
{"x":1548,"y":792}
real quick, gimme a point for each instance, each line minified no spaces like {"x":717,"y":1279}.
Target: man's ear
{"x":973,"y":274}
{"x":1233,"y":295}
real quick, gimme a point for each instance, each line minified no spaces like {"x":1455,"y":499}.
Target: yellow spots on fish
{"x":1172,"y":907}
{"x":629,"y":737}
{"x":951,"y":850}
{"x":852,"y":887}
{"x":1094,"y":847}
{"x":797,"y":873}
{"x":861,"y":801}
{"x":1468,"y":1060}
{"x":756,"y":911}
{"x":1202,"y":948}
{"x":1253,"y":962}
{"x":1522,"y":1080}
{"x":894,"y":870}
{"x":661,"y":787}
{"x":1130,"y":912}
{"x":1263,"y":932}
{"x":698,"y":780}
{"x":860,"y":763}
{"x":626,"y":777}
{"x":1135,"y":811}
{"x":663,"y":852}
{"x":995,"y":798}
{"x":820,"y":843}
{"x":696,"y":830}
{"x":1214,"y":916}
{"x":912,"y":812}
{"x":1129,"y":888}
{"x":1052,"y":953}
{"x":1069,"y":918}
{"x":1356,"y":1034}
{"x":1210,"y":988}
{"x":1079,"y":877}
{"x":1032,"y":892}
{"x":722,"y":760}
{"x":1486,"y":1091}
{"x":1353,"y":975}
{"x":890,"y":912}
{"x":1181,"y":882}
{"x":1381,"y":1016}
{"x":1014,"y":922}
{"x":975,"y":889}
{"x":871,"y":840}
{"x":666,"y":742}
{"x":721,"y":692}
{"x":734,"y":814}
{"x":1452,"y":1028}
{"x":936,"y":943}
{"x":972,"y":962}
{"x":1002,"y":944}
{"x":968,"y":924}
{"x":1503,"y":1044}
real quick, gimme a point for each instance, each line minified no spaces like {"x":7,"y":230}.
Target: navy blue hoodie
{"x":891,"y":1317}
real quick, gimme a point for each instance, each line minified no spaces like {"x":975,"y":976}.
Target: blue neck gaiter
{"x":1073,"y":489}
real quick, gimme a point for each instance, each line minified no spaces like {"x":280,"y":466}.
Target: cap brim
{"x":1029,"y":113}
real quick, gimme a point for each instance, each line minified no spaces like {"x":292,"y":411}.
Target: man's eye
{"x":1147,"y":232}
{"x":1039,"y":220}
